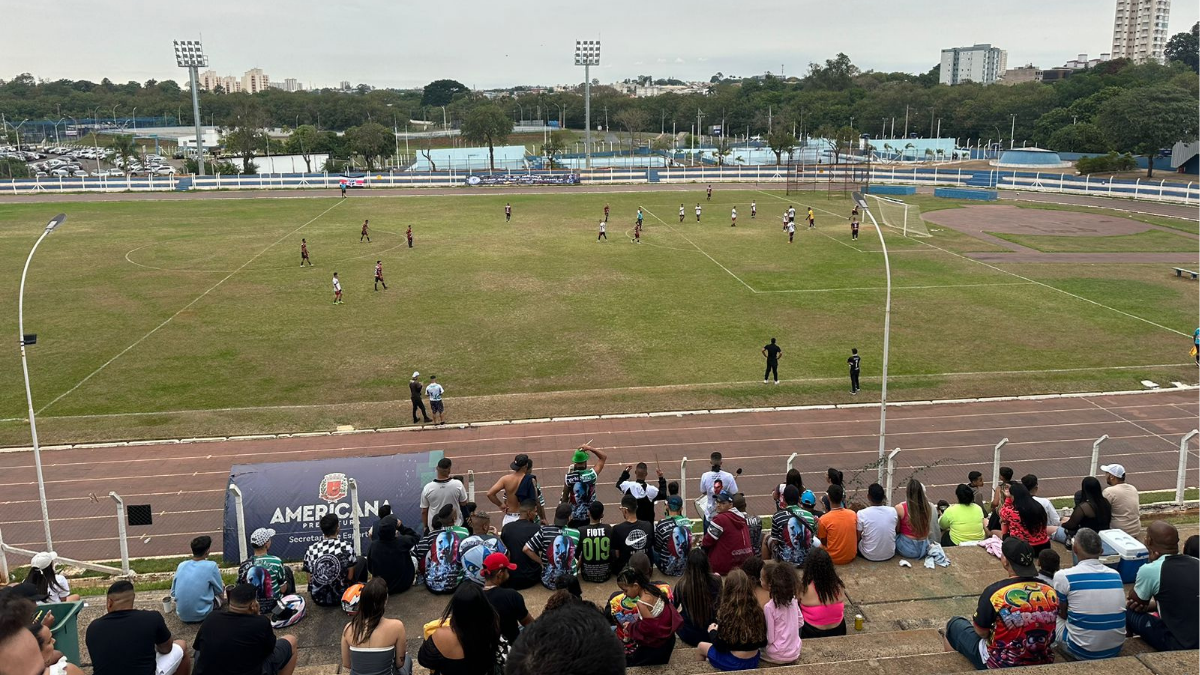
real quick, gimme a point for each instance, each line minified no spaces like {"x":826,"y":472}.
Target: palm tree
{"x":125,"y":148}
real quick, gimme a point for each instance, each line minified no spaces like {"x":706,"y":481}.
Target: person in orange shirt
{"x":838,"y":529}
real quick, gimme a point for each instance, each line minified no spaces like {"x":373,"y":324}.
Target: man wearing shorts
{"x":812,"y":221}
{"x":753,"y":210}
{"x":128,"y":641}
{"x":304,"y":253}
{"x":791,"y":230}
{"x":379,"y":275}
{"x":733,"y":218}
{"x":606,"y":213}
{"x":434,"y":391}
{"x":507,"y":212}
{"x":681,"y":210}
{"x":408,"y":233}
{"x":365,"y":234}
{"x":603,"y":235}
{"x":337,"y":290}
{"x":697,"y":212}
{"x":241,"y":640}
{"x":710,"y":192}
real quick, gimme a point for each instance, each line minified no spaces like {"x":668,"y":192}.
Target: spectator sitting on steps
{"x":197,"y":586}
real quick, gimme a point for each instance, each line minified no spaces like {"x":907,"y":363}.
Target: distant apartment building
{"x":209,"y":80}
{"x":344,"y":85}
{"x":255,"y":80}
{"x":1140,"y":30}
{"x":230,"y":84}
{"x":1021,"y":74}
{"x":288,"y":84}
{"x":1082,"y":61}
{"x":981,"y":63}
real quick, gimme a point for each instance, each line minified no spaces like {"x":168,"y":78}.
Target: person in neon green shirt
{"x":962,"y":521}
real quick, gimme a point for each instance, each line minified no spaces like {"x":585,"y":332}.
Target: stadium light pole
{"x":30,"y":340}
{"x":887,"y":331}
{"x":190,"y":54}
{"x":587,"y":54}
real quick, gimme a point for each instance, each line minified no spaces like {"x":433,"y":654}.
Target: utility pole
{"x":906,"y":121}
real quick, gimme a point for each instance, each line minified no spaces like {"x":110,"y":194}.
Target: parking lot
{"x":57,"y":161}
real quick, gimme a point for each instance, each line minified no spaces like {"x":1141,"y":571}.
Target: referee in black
{"x":853,"y":362}
{"x":772,"y":352}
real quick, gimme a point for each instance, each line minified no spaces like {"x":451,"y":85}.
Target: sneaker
{"x":854,"y":393}
{"x":777,"y":382}
{"x":764,"y":381}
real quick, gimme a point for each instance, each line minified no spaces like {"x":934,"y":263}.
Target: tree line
{"x":1115,"y":106}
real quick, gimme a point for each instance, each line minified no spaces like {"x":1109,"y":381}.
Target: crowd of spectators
{"x":744,"y":589}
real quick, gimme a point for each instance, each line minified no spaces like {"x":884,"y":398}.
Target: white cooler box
{"x":1123,"y":553}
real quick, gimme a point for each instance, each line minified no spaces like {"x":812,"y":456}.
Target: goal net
{"x":898,"y":215}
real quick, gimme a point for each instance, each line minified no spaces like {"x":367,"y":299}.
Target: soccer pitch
{"x":186,"y":318}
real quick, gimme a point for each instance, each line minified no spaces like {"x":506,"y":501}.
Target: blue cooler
{"x":1130,"y":553}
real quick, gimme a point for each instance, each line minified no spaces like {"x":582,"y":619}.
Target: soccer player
{"x":507,"y":212}
{"x":365,"y":233}
{"x":337,"y":290}
{"x":606,"y":213}
{"x":785,"y":221}
{"x":733,"y":218}
{"x":710,"y":192}
{"x":681,"y":213}
{"x":304,"y":253}
{"x":855,"y":364}
{"x":379,"y":275}
{"x":637,"y":232}
{"x":343,"y":189}
{"x":812,"y":221}
{"x":602,"y":234}
{"x":408,"y":233}
{"x":791,"y":230}
{"x":639,"y":218}
{"x":854,"y":227}
{"x":791,"y":214}
{"x":753,"y":210}
{"x":697,"y":212}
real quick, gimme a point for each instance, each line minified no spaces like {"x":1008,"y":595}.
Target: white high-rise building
{"x":1140,"y":30}
{"x":984,"y":64}
{"x":255,"y":80}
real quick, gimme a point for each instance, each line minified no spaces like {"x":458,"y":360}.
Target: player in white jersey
{"x":733,"y":218}
{"x":697,"y":212}
{"x":337,"y":290}
{"x":791,"y":230}
{"x":602,"y":234}
{"x":753,"y":210}
{"x":681,"y":211}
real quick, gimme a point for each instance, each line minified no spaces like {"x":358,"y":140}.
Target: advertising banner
{"x":524,"y":179}
{"x":291,"y":497}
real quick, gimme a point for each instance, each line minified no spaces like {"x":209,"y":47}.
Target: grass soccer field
{"x":186,"y":318}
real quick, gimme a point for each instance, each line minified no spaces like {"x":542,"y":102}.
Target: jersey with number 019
{"x":595,"y":552}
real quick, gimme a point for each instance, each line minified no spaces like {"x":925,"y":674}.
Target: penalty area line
{"x":706,"y":255}
{"x":186,"y":307}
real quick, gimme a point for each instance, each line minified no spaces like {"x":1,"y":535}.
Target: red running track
{"x":184,"y":483}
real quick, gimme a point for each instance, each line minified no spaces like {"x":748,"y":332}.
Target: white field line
{"x":894,"y":288}
{"x":706,"y":255}
{"x":1032,"y":281}
{"x":186,"y":307}
{"x":602,"y":390}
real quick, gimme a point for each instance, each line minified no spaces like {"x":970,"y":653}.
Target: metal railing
{"x":1160,"y":190}
{"x":122,"y":535}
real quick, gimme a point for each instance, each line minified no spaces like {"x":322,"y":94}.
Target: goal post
{"x":899,"y":215}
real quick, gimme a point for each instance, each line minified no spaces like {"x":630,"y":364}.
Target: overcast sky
{"x":493,"y":44}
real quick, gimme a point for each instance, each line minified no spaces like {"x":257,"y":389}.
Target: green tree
{"x":246,"y":142}
{"x":487,"y":124}
{"x":126,"y":149}
{"x":1084,"y":137}
{"x":781,"y":140}
{"x":304,"y":141}
{"x":11,"y":168}
{"x":1145,"y":120}
{"x":372,"y":141}
{"x":1185,"y":48}
{"x":441,"y":92}
{"x":558,"y":143}
{"x":632,"y":120}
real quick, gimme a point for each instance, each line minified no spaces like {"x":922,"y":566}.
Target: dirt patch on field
{"x":979,"y":221}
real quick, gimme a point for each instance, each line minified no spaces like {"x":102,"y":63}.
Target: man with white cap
{"x":414,"y":388}
{"x":1123,"y":497}
{"x":260,"y":540}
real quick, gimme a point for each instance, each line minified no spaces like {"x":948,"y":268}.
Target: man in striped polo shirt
{"x":1091,"y":603}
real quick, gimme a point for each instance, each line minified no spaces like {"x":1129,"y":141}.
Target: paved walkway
{"x":185,"y":483}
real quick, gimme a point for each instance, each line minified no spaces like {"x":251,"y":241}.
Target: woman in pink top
{"x":822,"y":597}
{"x":914,"y":518}
{"x":783,"y":614}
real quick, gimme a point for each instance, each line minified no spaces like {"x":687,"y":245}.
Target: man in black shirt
{"x":508,"y":603}
{"x":128,"y":641}
{"x":391,"y":556}
{"x":515,"y":535}
{"x":414,"y":389}
{"x":854,"y":362}
{"x":772,"y":352}
{"x":631,"y":536}
{"x":595,"y":546}
{"x":240,"y":640}
{"x":645,"y":494}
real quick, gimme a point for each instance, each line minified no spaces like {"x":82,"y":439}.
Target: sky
{"x":487,"y":44}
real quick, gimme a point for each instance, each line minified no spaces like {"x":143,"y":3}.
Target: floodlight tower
{"x":190,"y":54}
{"x":587,"y":54}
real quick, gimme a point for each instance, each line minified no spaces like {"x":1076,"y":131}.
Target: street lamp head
{"x":55,"y":222}
{"x":190,"y":54}
{"x":587,"y":52}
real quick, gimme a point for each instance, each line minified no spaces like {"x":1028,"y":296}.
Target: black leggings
{"x":772,"y":367}
{"x":421,"y":406}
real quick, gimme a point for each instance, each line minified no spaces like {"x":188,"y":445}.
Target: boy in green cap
{"x":579,"y":487}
